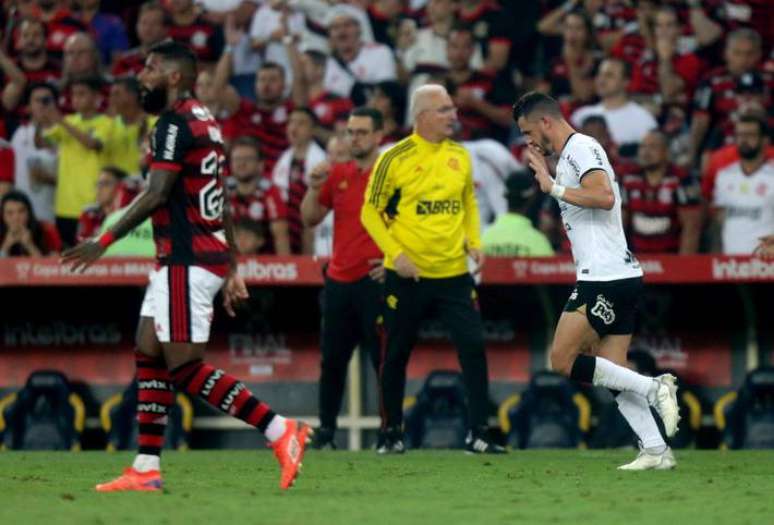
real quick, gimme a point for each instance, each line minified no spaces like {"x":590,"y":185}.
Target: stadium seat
{"x":746,"y":417}
{"x":118,"y":419}
{"x":549,"y":414}
{"x":439,"y":416}
{"x":44,"y":415}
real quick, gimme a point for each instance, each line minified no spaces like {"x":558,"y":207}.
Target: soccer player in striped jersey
{"x":195,"y":251}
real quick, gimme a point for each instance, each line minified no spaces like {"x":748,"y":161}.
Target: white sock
{"x":636,"y":410}
{"x":146,"y":463}
{"x":617,"y":377}
{"x":276,"y":428}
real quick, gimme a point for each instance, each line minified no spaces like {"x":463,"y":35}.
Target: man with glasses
{"x":421,"y":210}
{"x":352,"y":296}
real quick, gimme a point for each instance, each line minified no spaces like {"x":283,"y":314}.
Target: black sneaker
{"x":323,"y":438}
{"x":390,"y":442}
{"x":479,"y":443}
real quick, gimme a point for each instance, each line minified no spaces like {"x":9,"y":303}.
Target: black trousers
{"x":350,"y":315}
{"x":68,"y":231}
{"x":454,"y":301}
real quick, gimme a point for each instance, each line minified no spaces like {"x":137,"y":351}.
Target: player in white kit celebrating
{"x":595,"y":329}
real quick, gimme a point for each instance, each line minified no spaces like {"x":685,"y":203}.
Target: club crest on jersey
{"x":454,"y":164}
{"x":392,"y":302}
{"x":604,"y":310}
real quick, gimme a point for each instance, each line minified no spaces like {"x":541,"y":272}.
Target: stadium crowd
{"x":678,"y":92}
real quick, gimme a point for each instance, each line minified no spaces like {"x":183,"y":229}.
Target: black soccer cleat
{"x":324,"y":438}
{"x":391,"y":442}
{"x":479,"y":443}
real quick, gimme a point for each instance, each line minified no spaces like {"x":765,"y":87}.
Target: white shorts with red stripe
{"x":179,"y":299}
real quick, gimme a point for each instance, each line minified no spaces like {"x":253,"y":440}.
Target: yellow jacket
{"x":421,"y":201}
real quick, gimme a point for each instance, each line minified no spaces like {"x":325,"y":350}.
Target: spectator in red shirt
{"x":32,"y":65}
{"x":484,"y":105}
{"x":193,"y":30}
{"x":352,"y":294}
{"x":21,"y":234}
{"x":60,"y":24}
{"x":109,"y":194}
{"x":715,"y":98}
{"x":152,"y":27}
{"x":7,"y":167}
{"x":662,"y":69}
{"x":255,"y":198}
{"x":662,"y":207}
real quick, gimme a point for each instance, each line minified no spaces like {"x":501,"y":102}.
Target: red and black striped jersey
{"x":330,"y":109}
{"x":129,"y":63}
{"x":264,"y":206}
{"x":687,"y":66}
{"x":58,"y":28}
{"x":188,"y":228}
{"x":654,"y":225}
{"x":269,"y":126}
{"x":475,"y":125}
{"x":205,"y":39}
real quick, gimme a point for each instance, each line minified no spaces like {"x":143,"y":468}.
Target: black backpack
{"x":747,"y":417}
{"x":439,"y":418}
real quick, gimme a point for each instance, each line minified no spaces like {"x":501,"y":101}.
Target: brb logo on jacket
{"x":442,"y":207}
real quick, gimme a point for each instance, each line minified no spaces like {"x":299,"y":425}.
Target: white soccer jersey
{"x":596,"y":235}
{"x":748,"y":201}
{"x":373,"y":64}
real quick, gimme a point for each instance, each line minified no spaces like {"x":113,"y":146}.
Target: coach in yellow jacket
{"x":420,"y":208}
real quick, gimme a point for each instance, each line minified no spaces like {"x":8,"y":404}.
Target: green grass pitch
{"x":426,"y":488}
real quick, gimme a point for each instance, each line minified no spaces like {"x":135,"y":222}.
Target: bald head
{"x":81,"y":56}
{"x":653,"y":153}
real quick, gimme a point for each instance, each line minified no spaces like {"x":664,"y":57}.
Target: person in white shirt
{"x":35,"y":167}
{"x":628,"y":121}
{"x":594,"y":331}
{"x":273,"y":23}
{"x":744,"y":191}
{"x":492,"y":163}
{"x":353,"y":61}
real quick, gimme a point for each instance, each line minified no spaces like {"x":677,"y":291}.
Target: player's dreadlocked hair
{"x":533,"y":102}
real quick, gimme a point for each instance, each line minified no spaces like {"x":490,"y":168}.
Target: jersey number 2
{"x":211,"y":195}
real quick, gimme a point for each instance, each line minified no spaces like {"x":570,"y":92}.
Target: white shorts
{"x":179,"y":299}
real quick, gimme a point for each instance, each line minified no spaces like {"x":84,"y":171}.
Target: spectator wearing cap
{"x":661,"y":203}
{"x":715,"y":99}
{"x":354,"y":64}
{"x":512,"y":234}
{"x":83,"y":140}
{"x":108,"y":29}
{"x":33,"y":64}
{"x":151,"y":28}
{"x":628,"y":121}
{"x":132,"y":126}
{"x":190,"y":28}
{"x":483,"y":104}
{"x":389,"y":98}
{"x":107,"y":201}
{"x":35,"y":166}
{"x":744,"y":191}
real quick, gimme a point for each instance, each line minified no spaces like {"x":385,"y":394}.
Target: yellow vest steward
{"x":421,"y":201}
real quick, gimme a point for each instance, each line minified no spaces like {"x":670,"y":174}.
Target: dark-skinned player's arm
{"x":234,"y":289}
{"x":160,"y":183}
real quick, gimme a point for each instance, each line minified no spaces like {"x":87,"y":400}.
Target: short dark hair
{"x":131,"y":84}
{"x":152,"y":5}
{"x":755,"y":118}
{"x":377,"y":120}
{"x":180,"y":54}
{"x":536,"y":102}
{"x":308,"y":112}
{"x":273,"y":65}
{"x":92,"y":82}
{"x":317,"y":56}
{"x":397,"y":95}
{"x":248,"y":224}
{"x":115,"y":171}
{"x":627,"y":67}
{"x":40,"y":85}
{"x":34,"y":21}
{"x":520,"y":190}
{"x":247,"y":141}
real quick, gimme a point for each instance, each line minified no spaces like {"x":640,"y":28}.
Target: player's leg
{"x":337,"y":341}
{"x":183,"y":337}
{"x":457,"y":303}
{"x":403,"y":311}
{"x":654,"y":452}
{"x":155,"y":397}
